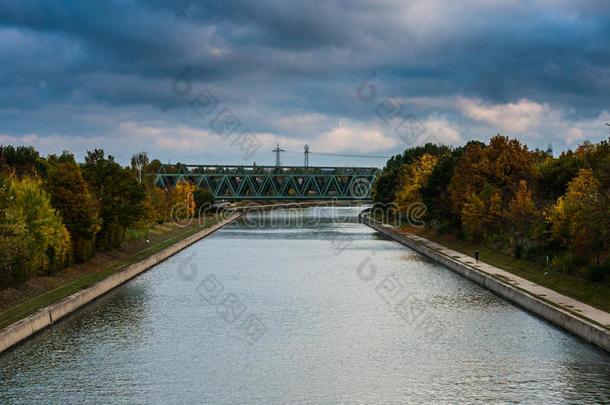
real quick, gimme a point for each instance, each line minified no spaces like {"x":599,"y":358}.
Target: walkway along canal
{"x":303,"y":307}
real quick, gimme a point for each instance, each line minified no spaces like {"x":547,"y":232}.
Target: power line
{"x":343,"y":155}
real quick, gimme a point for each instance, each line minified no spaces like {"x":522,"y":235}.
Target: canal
{"x":302,"y":307}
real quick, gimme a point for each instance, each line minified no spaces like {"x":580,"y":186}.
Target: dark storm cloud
{"x":273,"y":58}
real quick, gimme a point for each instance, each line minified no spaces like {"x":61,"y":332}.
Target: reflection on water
{"x":350,"y":318}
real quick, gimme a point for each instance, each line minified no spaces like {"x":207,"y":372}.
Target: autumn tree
{"x":385,"y":187}
{"x":489,"y":172}
{"x":581,"y":218}
{"x":467,"y":178}
{"x":522,"y":214}
{"x":597,"y":158}
{"x":414,"y":177}
{"x":435,"y":194}
{"x":70,"y":195}
{"x":482,"y":212}
{"x":184,"y":204}
{"x":47,"y":241}
{"x":13,"y":238}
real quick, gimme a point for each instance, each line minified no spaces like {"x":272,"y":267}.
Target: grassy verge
{"x":577,"y":286}
{"x":30,"y":306}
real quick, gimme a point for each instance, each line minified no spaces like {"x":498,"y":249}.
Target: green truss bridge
{"x":274,"y":182}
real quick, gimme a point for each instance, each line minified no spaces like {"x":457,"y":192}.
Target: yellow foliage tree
{"x":414,"y":177}
{"x":162,"y":203}
{"x":48,"y":241}
{"x":482,"y":212}
{"x":502,"y":165}
{"x":185,"y":202}
{"x":522,"y":213}
{"x":581,"y":218}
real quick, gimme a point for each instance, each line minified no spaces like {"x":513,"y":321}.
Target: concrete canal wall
{"x":583,"y":328}
{"x":45,"y":317}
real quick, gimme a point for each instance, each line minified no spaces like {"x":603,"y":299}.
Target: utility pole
{"x":277,"y":155}
{"x":306,"y":163}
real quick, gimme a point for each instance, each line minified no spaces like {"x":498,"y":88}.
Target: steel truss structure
{"x":274,"y":183}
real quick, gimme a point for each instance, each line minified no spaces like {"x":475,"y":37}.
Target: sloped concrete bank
{"x":583,"y":328}
{"x":45,"y":317}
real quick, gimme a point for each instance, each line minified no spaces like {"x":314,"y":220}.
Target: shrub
{"x":519,"y":251}
{"x":136,"y":234}
{"x":598,"y":272}
{"x":569,"y":263}
{"x":497,"y":241}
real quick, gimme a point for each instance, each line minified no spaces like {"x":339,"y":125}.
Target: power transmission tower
{"x":277,"y":155}
{"x":306,"y":163}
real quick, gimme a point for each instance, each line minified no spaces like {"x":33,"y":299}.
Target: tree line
{"x":55,"y":211}
{"x":524,"y":202}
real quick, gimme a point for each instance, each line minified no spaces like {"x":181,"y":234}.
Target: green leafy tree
{"x":412,"y":154}
{"x":385,"y":187}
{"x":22,"y":160}
{"x":149,"y":171}
{"x":203,"y":198}
{"x":13,"y":238}
{"x":555,"y":174}
{"x":65,"y":157}
{"x":70,"y":195}
{"x":435,"y":194}
{"x":121,"y":196}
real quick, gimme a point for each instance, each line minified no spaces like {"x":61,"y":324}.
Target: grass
{"x":32,"y":305}
{"x":577,"y":286}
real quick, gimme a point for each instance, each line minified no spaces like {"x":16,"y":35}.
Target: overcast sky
{"x":347,"y":77}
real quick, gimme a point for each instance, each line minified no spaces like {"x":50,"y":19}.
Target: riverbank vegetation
{"x":37,"y":292}
{"x":553,"y":212}
{"x":55,"y":212}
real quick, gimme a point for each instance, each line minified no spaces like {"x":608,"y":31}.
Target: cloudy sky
{"x":224,"y":81}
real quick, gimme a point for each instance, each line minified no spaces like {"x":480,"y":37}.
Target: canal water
{"x":303,"y":307}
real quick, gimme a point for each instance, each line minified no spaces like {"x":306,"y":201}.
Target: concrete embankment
{"x":519,"y":291}
{"x":27,"y":327}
